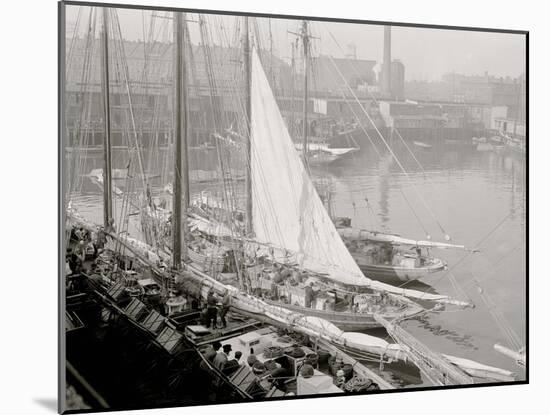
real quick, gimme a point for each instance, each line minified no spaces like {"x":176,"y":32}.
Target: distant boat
{"x":515,"y":144}
{"x":497,"y":140}
{"x":321,"y":153}
{"x":422,"y":145}
{"x":381,"y":256}
{"x":479,"y":140}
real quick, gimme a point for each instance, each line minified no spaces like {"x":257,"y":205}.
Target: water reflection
{"x":460,"y":339}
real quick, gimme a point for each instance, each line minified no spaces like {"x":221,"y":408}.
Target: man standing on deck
{"x":308,"y":295}
{"x":205,"y":317}
{"x":212,"y":309}
{"x":226,"y":300}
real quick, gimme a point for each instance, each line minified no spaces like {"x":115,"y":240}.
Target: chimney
{"x":352,"y":51}
{"x":386,"y":64}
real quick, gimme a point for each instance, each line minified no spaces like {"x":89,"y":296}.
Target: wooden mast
{"x":248,"y":147}
{"x":292,"y":126}
{"x":305,"y":40}
{"x":107,"y":180}
{"x":180,"y":194}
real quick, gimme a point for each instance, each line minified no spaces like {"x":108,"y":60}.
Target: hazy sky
{"x":426,"y":53}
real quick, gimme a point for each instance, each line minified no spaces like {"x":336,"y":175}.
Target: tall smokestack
{"x":386,"y":64}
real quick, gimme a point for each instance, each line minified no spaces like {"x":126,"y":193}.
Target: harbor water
{"x":450,"y":190}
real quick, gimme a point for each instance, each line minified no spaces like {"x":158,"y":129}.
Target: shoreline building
{"x":438,"y":108}
{"x":496,"y":103}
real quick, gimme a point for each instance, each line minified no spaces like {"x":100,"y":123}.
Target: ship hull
{"x":387,"y":273}
{"x":348,"y":321}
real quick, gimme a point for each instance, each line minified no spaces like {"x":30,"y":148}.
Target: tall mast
{"x":248,"y":109}
{"x":386,"y":64}
{"x":180,"y":196}
{"x":305,"y":39}
{"x":107,"y":180}
{"x":292,"y":126}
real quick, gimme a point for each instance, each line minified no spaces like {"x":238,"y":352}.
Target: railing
{"x":434,"y":366}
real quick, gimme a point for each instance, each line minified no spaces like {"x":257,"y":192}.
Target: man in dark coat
{"x":226,"y":300}
{"x":309,"y":295}
{"x":233,"y":364}
{"x":211,"y":303}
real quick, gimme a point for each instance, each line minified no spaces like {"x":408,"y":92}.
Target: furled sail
{"x":362,"y":235}
{"x":287,"y":212}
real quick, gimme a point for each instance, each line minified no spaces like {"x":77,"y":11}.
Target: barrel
{"x":295,"y":352}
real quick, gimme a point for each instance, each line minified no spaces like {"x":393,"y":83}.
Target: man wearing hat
{"x":232,"y":365}
{"x":309,"y":295}
{"x":222,"y":357}
{"x":226,"y":300}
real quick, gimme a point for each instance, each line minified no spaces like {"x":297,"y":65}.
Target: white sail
{"x":287,"y":212}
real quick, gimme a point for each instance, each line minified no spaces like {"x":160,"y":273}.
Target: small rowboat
{"x":407,"y":269}
{"x":384,"y":257}
{"x":321,"y":153}
{"x":422,"y":145}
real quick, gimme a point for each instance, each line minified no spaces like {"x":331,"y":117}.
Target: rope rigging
{"x":421,"y":198}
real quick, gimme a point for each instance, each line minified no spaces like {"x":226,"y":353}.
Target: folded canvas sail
{"x":286,"y":210}
{"x":216,"y":229}
{"x":363,"y":234}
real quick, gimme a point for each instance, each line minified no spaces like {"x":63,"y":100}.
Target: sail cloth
{"x":286,"y":209}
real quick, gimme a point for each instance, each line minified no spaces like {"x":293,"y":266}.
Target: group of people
{"x":220,"y":357}
{"x":214,"y":307}
{"x":82,"y":246}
